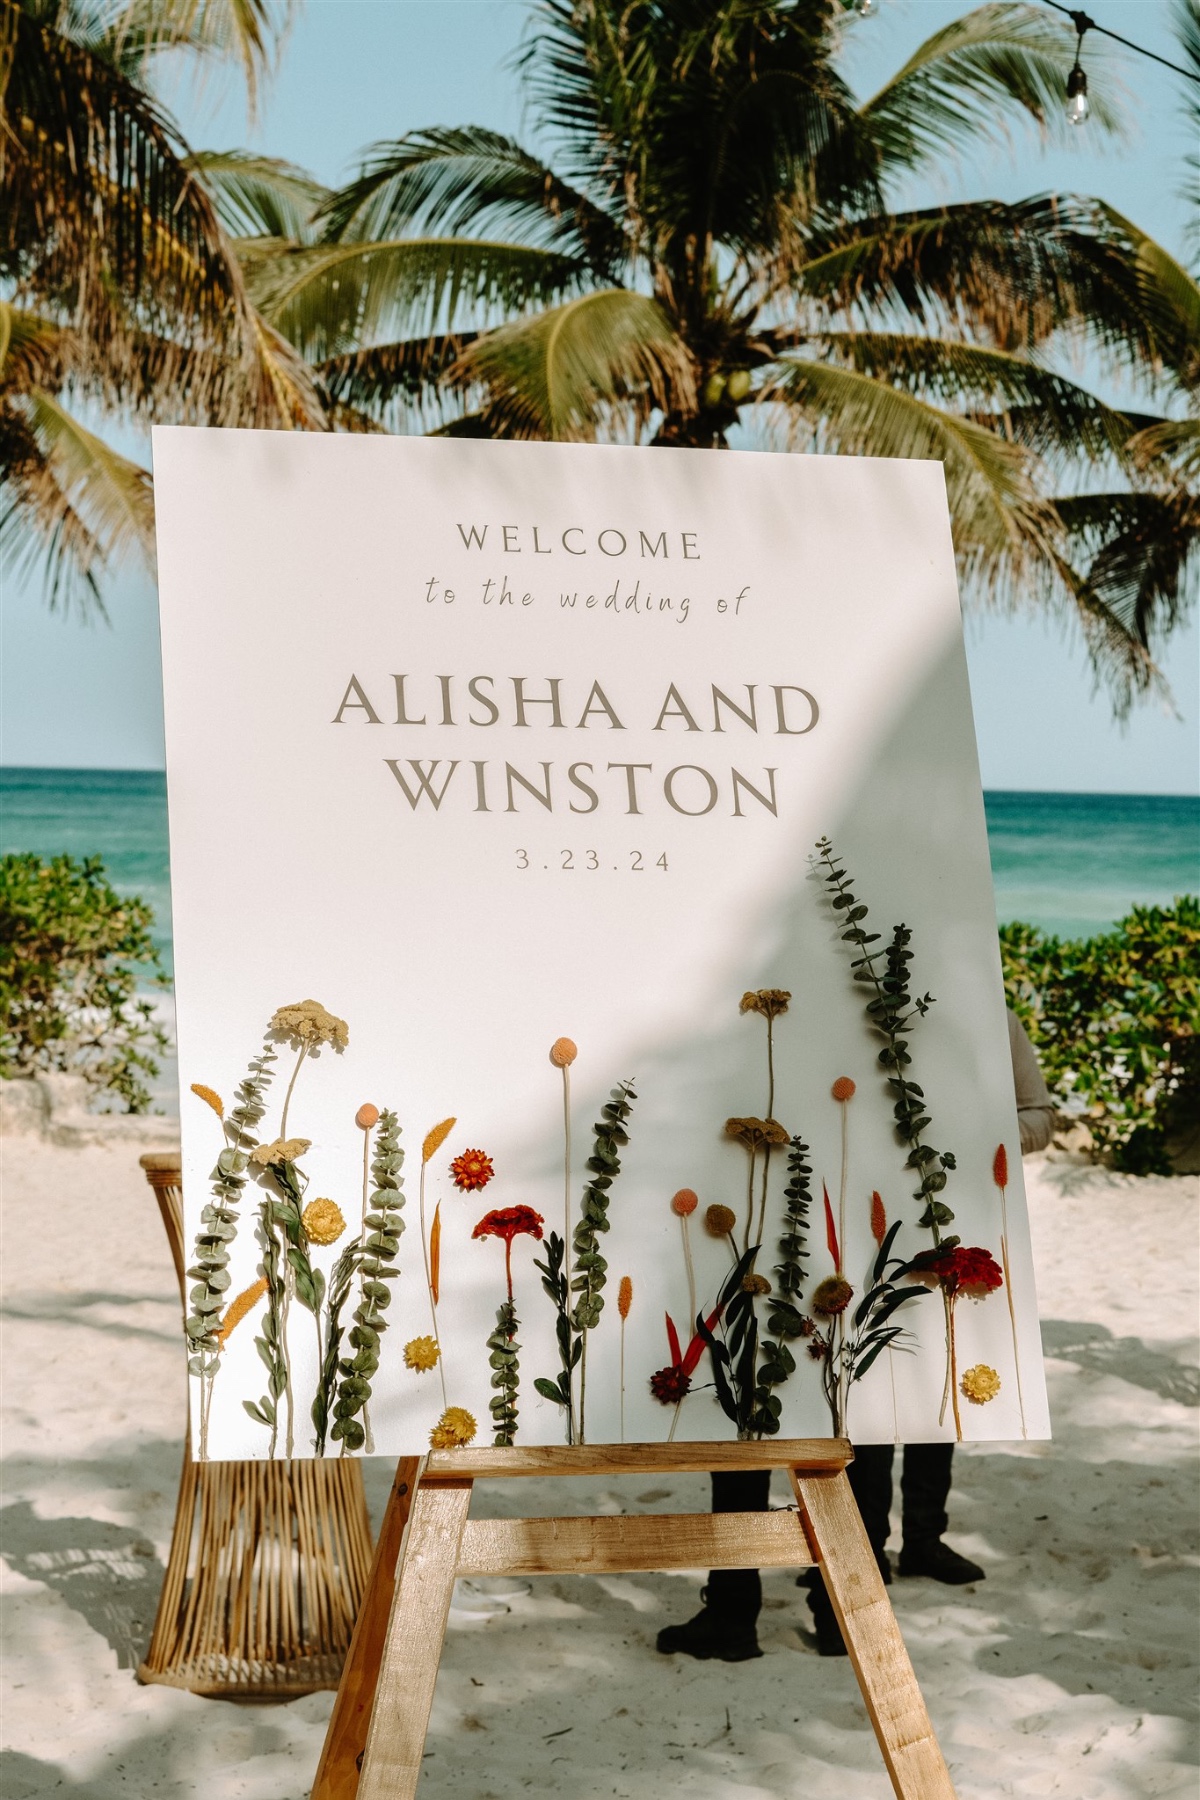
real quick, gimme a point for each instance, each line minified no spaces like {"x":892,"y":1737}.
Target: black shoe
{"x":830,"y":1641}
{"x":940,"y":1563}
{"x":708,"y":1637}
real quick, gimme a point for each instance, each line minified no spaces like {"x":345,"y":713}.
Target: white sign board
{"x":494,"y":750}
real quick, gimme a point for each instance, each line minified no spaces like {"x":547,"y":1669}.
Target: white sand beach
{"x":1070,"y":1671}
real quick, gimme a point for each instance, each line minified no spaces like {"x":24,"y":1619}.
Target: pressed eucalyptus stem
{"x":429,"y":1285}
{"x":590,"y":1268}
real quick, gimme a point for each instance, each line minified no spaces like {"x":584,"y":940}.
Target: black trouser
{"x":924,"y":1490}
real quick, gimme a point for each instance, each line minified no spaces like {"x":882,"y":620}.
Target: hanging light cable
{"x":1083,"y":23}
{"x":1077,"y":96}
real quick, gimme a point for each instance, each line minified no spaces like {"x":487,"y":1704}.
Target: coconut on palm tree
{"x":713,"y":248}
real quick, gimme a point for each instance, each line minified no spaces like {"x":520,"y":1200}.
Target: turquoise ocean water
{"x":1070,"y":863}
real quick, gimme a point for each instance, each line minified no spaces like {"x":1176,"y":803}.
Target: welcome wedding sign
{"x":590,"y":1014}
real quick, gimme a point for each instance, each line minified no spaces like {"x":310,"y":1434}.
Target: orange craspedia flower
{"x":471,"y":1171}
{"x":684,"y":1202}
{"x":625,"y":1296}
{"x":367,"y":1116}
{"x":1000,"y":1167}
{"x":878,"y":1219}
{"x":843,"y":1088}
{"x":563,"y":1053}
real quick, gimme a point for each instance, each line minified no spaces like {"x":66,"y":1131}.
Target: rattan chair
{"x":268,"y":1562}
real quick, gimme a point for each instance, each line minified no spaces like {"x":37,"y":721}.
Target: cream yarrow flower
{"x":980,"y":1384}
{"x":280,"y":1150}
{"x":454,"y":1429}
{"x":310,"y":1024}
{"x":323,"y":1221}
{"x":421,"y":1353}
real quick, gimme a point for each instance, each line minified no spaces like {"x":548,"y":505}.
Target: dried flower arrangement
{"x":958,"y":1270}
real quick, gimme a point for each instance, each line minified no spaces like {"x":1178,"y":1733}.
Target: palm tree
{"x":121,"y":290}
{"x":716,"y":250}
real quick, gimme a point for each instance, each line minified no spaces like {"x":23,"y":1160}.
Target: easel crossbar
{"x":607,"y":1545}
{"x":811,"y":1455}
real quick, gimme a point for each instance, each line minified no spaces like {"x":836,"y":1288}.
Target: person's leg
{"x":924,"y":1490}
{"x":870,"y":1476}
{"x":725,"y":1627}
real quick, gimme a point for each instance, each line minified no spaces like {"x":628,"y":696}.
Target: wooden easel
{"x":376,"y":1736}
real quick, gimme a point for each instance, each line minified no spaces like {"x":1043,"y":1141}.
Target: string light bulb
{"x":1077,"y":96}
{"x":866,"y":9}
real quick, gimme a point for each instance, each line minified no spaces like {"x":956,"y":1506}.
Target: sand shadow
{"x":108,"y":1574}
{"x":1094,"y":1348}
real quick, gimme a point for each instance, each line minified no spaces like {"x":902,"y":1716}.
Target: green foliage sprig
{"x":340,"y":1280}
{"x":734,"y":1353}
{"x":784,"y":1319}
{"x":570,"y":1347}
{"x":892,"y":1010}
{"x":288,"y":1269}
{"x":589,"y":1268}
{"x":218,"y":1228}
{"x":72,"y":955}
{"x":1115,"y":1020}
{"x":506,"y":1373}
{"x":382,"y":1228}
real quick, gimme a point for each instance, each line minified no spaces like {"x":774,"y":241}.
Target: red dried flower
{"x":670,"y":1384}
{"x":508,"y":1222}
{"x":471,"y":1171}
{"x":967,"y":1269}
{"x":1000,"y":1167}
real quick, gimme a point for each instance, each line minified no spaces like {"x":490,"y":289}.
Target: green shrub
{"x":1115,"y":1021}
{"x":71,"y":953}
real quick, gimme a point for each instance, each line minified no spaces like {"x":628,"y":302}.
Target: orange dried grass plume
{"x":238,"y":1308}
{"x":1000,"y":1167}
{"x":436,"y":1138}
{"x":625,"y":1296}
{"x":878,"y":1219}
{"x":210,"y":1098}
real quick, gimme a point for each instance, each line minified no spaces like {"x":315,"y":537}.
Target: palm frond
{"x":331,"y":297}
{"x":469,"y":180}
{"x":970,"y":80}
{"x":557,"y":375}
{"x":260,"y":196}
{"x":1028,"y":403}
{"x":1173,"y":443}
{"x":246,"y":33}
{"x":387,"y":379}
{"x":1000,"y":524}
{"x":69,"y":502}
{"x":1138,"y":550}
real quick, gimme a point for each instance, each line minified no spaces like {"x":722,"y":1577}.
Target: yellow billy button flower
{"x":322,"y":1221}
{"x":454,"y":1429}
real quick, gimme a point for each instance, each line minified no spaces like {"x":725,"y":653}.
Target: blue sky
{"x":353,"y":71}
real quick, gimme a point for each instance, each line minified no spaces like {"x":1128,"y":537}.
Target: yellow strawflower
{"x":322,"y":1221}
{"x":455,"y":1428}
{"x":421,"y":1353}
{"x":980,"y":1384}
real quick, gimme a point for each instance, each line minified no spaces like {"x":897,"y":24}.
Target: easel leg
{"x":337,"y":1773}
{"x":413,"y":1645}
{"x":881,"y":1663}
